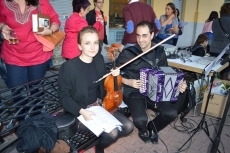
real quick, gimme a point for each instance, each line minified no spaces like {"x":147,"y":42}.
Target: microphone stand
{"x":217,"y":139}
{"x":203,"y":123}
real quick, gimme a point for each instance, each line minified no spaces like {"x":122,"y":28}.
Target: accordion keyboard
{"x":144,"y":80}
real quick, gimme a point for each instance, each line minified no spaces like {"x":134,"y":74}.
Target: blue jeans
{"x":3,"y":71}
{"x":50,"y":64}
{"x":19,"y":75}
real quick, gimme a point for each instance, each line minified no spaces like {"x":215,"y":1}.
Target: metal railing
{"x":27,"y":100}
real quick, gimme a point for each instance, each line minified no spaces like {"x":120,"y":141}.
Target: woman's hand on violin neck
{"x":86,"y":114}
{"x":115,"y":72}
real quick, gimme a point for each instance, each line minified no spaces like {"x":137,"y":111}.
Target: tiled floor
{"x":171,"y":139}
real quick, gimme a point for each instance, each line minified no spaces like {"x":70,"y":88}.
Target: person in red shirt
{"x":73,"y":25}
{"x":97,"y":14}
{"x":25,"y":61}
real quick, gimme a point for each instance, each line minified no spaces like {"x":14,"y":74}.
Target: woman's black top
{"x":91,"y":75}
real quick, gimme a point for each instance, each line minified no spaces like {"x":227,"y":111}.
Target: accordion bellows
{"x":161,"y":84}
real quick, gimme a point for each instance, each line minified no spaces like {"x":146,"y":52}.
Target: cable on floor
{"x":184,"y":129}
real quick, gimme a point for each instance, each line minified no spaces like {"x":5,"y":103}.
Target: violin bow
{"x":156,"y":45}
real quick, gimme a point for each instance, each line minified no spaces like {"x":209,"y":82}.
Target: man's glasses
{"x":100,"y":2}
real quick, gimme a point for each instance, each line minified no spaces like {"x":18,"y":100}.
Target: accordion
{"x":161,"y":83}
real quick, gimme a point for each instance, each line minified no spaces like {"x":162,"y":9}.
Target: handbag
{"x":49,"y":41}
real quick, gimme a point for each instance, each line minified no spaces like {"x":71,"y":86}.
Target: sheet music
{"x":214,"y":62}
{"x":102,"y":121}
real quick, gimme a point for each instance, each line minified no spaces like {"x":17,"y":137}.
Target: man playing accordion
{"x":138,"y":103}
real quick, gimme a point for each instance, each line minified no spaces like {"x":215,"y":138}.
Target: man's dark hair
{"x":146,"y":23}
{"x":78,"y":4}
{"x":225,"y":9}
{"x":29,"y":2}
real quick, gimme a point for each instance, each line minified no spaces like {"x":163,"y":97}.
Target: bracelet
{"x":52,"y":32}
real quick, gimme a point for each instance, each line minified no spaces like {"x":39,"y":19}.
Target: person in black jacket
{"x":220,"y":41}
{"x":77,"y":89}
{"x":137,"y":103}
{"x":97,"y":14}
{"x":200,"y":46}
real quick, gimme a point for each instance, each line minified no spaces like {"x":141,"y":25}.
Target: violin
{"x":112,"y":85}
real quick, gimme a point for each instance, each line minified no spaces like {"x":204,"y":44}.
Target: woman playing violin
{"x":78,"y":91}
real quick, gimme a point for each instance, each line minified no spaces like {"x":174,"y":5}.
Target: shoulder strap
{"x":39,"y":7}
{"x":136,"y":51}
{"x":226,"y":34}
{"x":158,"y":52}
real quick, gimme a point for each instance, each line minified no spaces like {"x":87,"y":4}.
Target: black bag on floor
{"x":35,"y":132}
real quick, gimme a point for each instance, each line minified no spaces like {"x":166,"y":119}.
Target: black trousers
{"x":138,"y":104}
{"x":106,"y":139}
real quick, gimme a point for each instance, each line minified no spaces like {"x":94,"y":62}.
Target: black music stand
{"x":217,"y":139}
{"x":203,"y":123}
